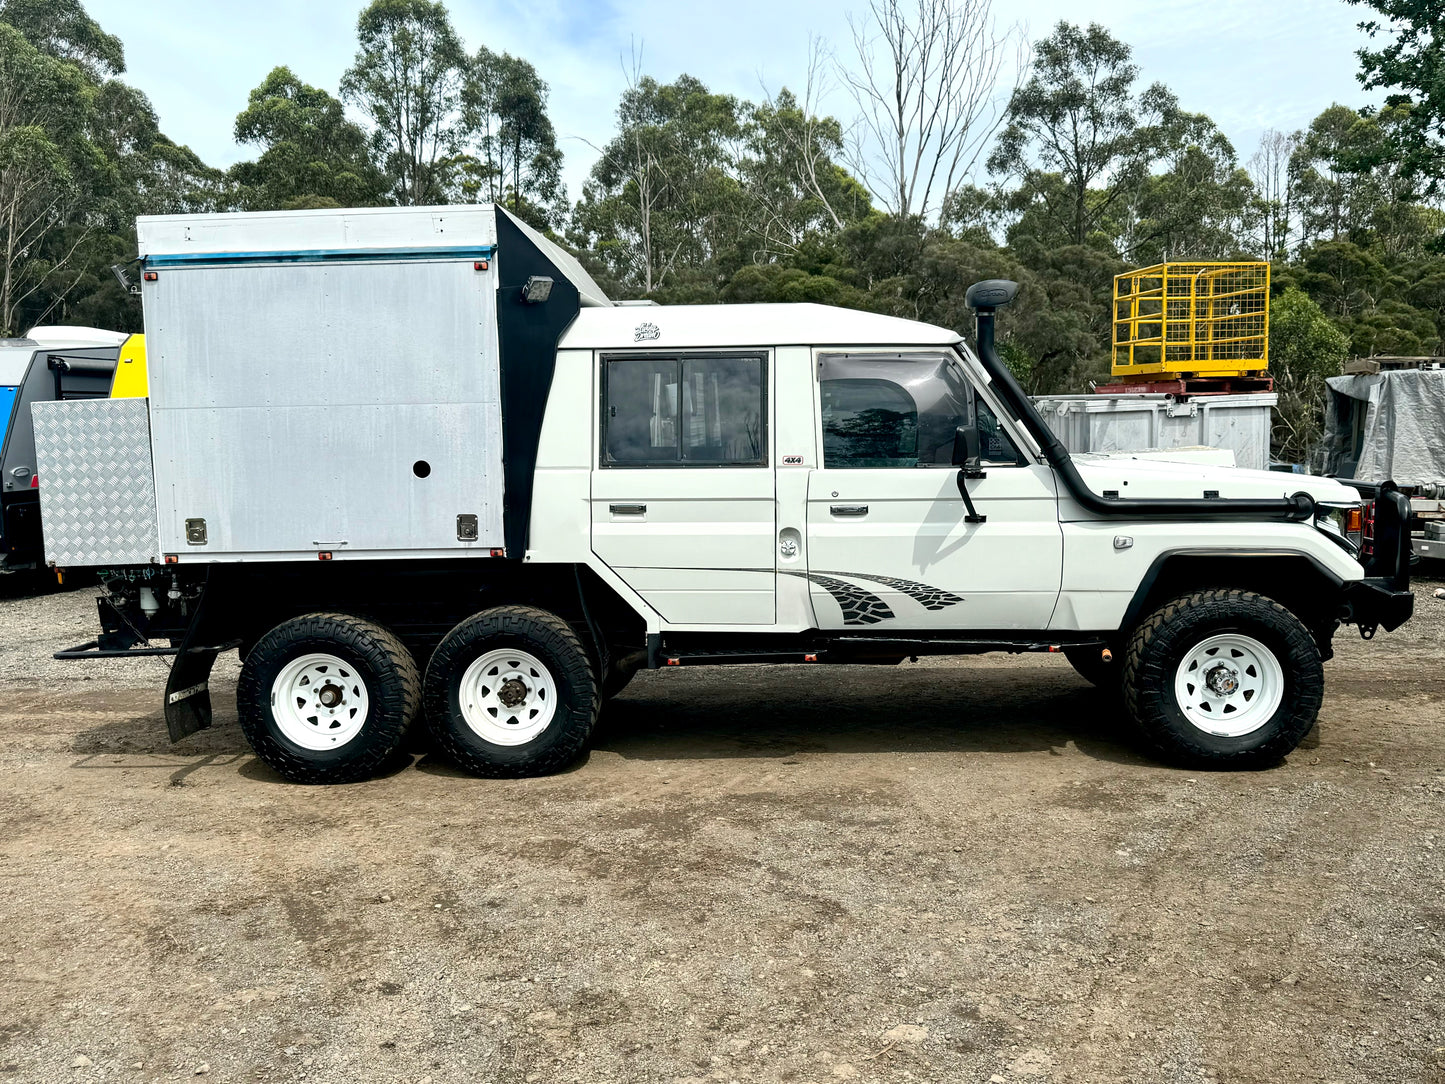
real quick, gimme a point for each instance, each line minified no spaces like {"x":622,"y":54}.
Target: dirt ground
{"x":944,"y":872}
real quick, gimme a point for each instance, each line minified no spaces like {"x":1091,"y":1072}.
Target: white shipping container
{"x":1159,"y":422}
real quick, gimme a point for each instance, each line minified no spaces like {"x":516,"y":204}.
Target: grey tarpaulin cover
{"x":1387,"y":426}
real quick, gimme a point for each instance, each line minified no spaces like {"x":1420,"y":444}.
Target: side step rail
{"x":91,"y":649}
{"x":845,"y":649}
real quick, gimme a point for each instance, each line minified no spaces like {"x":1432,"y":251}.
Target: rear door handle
{"x":849,"y":509}
{"x":628,"y":509}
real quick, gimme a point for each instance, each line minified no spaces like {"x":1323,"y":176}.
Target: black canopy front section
{"x":528,"y":333}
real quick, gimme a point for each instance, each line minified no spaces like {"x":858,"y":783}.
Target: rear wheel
{"x":327,"y":698}
{"x":1223,"y":678}
{"x":511,"y":692}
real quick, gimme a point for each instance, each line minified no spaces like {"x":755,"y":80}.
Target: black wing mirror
{"x":966,"y":449}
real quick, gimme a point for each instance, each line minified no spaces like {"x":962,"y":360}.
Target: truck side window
{"x":868,"y":423}
{"x":687,"y":411}
{"x":901,"y":410}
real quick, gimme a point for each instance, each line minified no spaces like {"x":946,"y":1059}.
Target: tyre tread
{"x":361,"y":636}
{"x":522,"y":622}
{"x":1148,"y":684}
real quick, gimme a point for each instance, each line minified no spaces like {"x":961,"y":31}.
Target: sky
{"x":1249,"y":64}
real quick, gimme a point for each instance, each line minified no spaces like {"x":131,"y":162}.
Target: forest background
{"x":966,"y":152}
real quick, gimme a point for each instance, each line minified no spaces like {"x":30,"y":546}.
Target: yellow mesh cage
{"x":1202,"y":319}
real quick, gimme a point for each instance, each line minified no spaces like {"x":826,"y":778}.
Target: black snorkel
{"x":985,"y":298}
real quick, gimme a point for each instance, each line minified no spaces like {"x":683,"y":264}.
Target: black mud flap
{"x":188,"y":692}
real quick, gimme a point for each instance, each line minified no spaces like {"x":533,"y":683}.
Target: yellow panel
{"x":131,"y":381}
{"x":1205,"y":318}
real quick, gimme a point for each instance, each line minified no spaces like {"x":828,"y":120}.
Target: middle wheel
{"x":511,"y":692}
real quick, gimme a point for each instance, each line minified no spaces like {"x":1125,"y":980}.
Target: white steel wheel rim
{"x":507,"y":697}
{"x":319,"y":701}
{"x":1229,"y":685}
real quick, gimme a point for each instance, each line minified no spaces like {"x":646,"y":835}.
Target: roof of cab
{"x":691,"y":327}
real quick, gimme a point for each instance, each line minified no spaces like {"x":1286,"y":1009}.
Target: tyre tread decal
{"x":859,"y":607}
{"x":930,"y":598}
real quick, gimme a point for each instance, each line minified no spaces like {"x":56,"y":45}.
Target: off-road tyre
{"x":1089,"y":663}
{"x":382,"y":663}
{"x":1158,"y":647}
{"x":550,"y":642}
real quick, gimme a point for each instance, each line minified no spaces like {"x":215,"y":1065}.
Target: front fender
{"x":1112,"y":571}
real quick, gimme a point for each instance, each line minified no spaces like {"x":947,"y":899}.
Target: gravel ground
{"x":945,"y":872}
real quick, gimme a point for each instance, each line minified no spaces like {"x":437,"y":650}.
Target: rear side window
{"x":685,"y":411}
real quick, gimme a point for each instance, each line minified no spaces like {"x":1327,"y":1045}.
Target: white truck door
{"x":888,"y":547}
{"x":683,"y":505}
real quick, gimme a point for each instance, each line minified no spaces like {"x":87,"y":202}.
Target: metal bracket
{"x":972,"y":516}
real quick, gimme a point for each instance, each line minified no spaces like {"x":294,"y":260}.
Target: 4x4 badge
{"x":646,"y":332}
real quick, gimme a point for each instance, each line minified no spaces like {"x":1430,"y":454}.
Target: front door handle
{"x":627,"y":509}
{"x":849,"y":509}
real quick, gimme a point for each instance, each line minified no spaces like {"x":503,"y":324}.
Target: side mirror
{"x":966,"y":447}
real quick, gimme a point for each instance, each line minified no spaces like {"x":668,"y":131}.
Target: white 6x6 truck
{"x":413,"y":464}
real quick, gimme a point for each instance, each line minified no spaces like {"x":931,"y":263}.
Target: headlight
{"x":1345,"y":522}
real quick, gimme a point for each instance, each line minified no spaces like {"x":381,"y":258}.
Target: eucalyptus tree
{"x":1080,"y":119}
{"x":407,"y":79}
{"x":81,"y":154}
{"x":517,"y":162}
{"x":1408,"y":64}
{"x":311,"y":154}
{"x":664,"y":196}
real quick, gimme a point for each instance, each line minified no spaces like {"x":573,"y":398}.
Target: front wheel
{"x":1223,"y":678}
{"x":511,"y":692}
